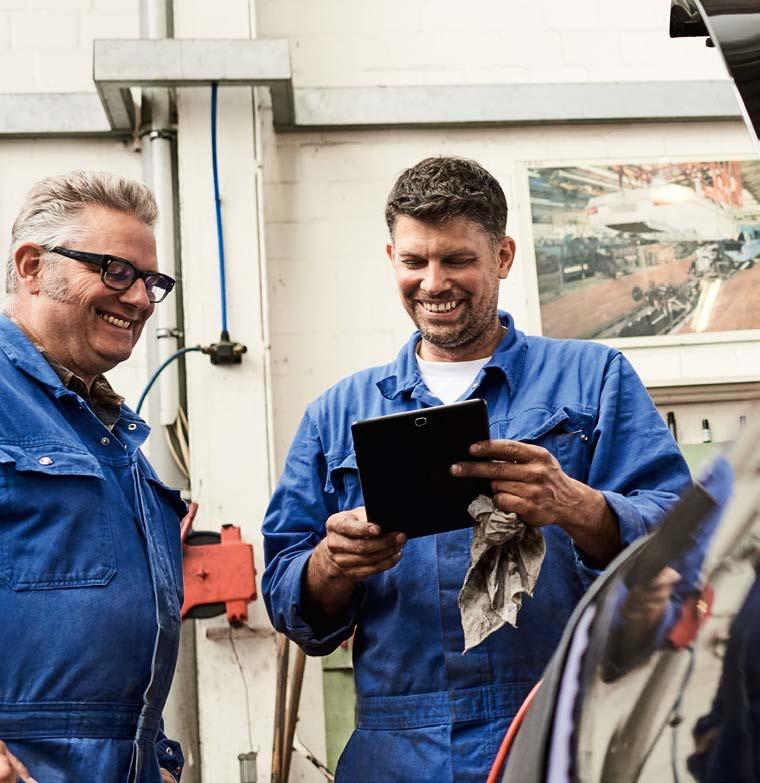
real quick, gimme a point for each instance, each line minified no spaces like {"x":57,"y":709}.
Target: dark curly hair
{"x":440,"y":188}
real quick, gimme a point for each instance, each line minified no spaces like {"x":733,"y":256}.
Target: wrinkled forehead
{"x":110,"y":232}
{"x":455,"y":236}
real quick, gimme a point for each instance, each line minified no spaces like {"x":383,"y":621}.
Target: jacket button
{"x":104,"y":441}
{"x":45,"y":461}
{"x":132,"y":427}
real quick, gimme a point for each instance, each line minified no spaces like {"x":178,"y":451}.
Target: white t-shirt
{"x":449,"y":380}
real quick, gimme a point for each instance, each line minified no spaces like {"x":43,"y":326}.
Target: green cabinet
{"x":340,"y":701}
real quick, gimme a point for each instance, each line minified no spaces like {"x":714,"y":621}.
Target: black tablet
{"x":404,"y":462}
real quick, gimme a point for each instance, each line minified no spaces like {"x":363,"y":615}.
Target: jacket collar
{"x":508,"y":360}
{"x":23,"y":354}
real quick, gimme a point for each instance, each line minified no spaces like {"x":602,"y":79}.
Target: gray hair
{"x":50,"y":214}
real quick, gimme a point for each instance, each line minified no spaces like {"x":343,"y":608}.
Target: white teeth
{"x":111,"y":319}
{"x":439,"y":308}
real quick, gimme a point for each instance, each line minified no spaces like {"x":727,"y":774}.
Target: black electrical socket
{"x":225,"y":351}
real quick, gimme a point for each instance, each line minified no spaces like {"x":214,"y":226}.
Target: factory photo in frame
{"x":646,"y":249}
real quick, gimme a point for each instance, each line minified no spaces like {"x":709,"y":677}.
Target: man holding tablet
{"x":577,"y":448}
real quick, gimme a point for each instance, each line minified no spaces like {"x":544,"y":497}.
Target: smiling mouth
{"x":440,"y":307}
{"x":114,"y":320}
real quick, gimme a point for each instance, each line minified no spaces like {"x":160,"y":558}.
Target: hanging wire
{"x":159,"y":370}
{"x":245,"y":688}
{"x":218,"y":209}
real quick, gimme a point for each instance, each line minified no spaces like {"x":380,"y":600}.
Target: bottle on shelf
{"x":672,"y":425}
{"x":706,"y":433}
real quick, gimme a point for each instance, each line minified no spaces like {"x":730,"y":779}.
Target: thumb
{"x":20,"y":769}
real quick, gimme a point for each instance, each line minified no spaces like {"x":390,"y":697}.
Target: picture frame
{"x":595,"y":235}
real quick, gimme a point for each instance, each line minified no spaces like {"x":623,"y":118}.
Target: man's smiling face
{"x":82,"y":323}
{"x":448,"y":277}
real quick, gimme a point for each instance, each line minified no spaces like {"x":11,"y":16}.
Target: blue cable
{"x":154,"y":377}
{"x":218,"y":208}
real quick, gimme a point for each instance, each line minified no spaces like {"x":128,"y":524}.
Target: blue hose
{"x":218,"y":208}
{"x":159,"y":370}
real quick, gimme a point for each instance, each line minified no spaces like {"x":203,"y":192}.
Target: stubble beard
{"x":56,"y":288}
{"x":461,"y":334}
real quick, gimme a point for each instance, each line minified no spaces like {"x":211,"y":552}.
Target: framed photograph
{"x":649,"y":253}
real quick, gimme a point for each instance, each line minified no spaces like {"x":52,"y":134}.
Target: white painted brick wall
{"x":46,"y":45}
{"x":337,"y":42}
{"x":57,"y":31}
{"x":5,"y":31}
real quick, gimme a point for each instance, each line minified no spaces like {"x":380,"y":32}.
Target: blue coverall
{"x":90,"y":583}
{"x":425,"y":712}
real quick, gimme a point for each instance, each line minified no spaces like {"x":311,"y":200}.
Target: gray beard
{"x":57,"y":290}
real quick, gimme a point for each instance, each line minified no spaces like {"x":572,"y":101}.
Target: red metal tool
{"x":219,"y":572}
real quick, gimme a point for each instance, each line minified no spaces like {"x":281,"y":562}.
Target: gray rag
{"x":505,"y":561}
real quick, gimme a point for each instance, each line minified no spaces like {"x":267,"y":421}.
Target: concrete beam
{"x":121,"y":64}
{"x":337,"y":108}
{"x":344,"y":108}
{"x":52,"y":114}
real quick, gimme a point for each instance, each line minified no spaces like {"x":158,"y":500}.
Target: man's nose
{"x":434,"y":281}
{"x":136,"y":295}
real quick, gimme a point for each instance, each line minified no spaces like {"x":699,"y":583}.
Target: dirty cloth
{"x":505,"y":561}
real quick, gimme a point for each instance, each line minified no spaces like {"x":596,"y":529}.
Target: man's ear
{"x":28,"y":258}
{"x":506,"y":251}
{"x":389,"y":251}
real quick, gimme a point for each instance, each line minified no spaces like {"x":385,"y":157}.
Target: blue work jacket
{"x":90,"y":583}
{"x":425,"y":711}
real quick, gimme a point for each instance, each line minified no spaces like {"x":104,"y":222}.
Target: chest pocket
{"x":55,"y":530}
{"x":565,"y":433}
{"x":343,"y":481}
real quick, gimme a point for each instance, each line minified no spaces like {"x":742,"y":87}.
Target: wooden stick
{"x":283,"y":650}
{"x":292,"y":714}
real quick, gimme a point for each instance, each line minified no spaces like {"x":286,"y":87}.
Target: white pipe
{"x":263,"y":268}
{"x":157,"y":149}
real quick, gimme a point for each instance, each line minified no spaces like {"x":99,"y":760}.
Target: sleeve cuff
{"x":631,"y":527}
{"x":170,"y":757}
{"x":323,"y":640}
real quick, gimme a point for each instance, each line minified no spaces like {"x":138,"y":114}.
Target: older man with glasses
{"x":90,"y":553}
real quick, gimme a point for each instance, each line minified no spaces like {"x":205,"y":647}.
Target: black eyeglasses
{"x":119,"y":274}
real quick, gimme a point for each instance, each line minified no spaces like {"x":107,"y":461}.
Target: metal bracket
{"x":119,"y":65}
{"x":162,"y":333}
{"x":346,"y":108}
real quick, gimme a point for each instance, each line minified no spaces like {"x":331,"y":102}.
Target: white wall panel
{"x":46,"y":45}
{"x":335,"y":42}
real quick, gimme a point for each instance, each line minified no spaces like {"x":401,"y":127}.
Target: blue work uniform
{"x":90,"y":583}
{"x":425,"y":711}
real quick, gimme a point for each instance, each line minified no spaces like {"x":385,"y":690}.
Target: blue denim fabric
{"x":90,"y":583}
{"x":424,"y":710}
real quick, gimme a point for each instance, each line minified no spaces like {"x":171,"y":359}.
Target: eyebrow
{"x":446,"y":256}
{"x":132,"y":263}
